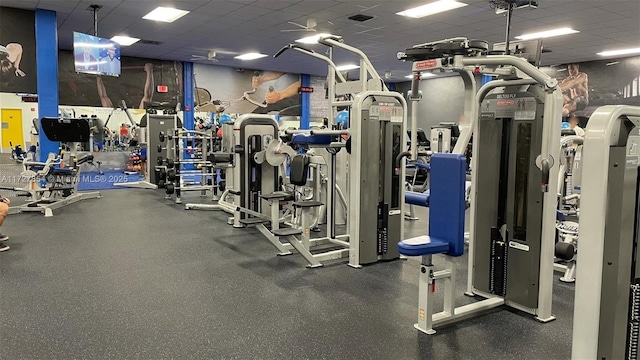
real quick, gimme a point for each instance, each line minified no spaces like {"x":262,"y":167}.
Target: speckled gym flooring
{"x":133,"y":275}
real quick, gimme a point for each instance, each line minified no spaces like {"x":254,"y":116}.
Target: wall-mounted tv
{"x":95,"y":55}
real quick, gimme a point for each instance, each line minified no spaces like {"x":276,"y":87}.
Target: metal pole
{"x":94,"y":9}
{"x":508,"y":31}
{"x":332,"y":200}
{"x":414,"y":96}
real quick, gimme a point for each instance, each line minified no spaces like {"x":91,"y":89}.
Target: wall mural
{"x":136,"y":84}
{"x":225,"y":89}
{"x":17,"y":51}
{"x":589,"y":85}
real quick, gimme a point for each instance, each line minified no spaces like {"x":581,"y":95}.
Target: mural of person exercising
{"x":575,"y":90}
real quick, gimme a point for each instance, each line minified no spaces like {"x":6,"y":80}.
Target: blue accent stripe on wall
{"x":305,"y":102}
{"x":188,"y":98}
{"x":47,"y":71}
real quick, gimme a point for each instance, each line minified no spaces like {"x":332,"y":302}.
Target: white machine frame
{"x":518,"y":72}
{"x":600,"y":134}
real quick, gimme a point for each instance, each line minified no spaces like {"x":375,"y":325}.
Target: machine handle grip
{"x":545,"y":166}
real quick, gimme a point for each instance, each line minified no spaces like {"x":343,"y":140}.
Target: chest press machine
{"x":512,"y":227}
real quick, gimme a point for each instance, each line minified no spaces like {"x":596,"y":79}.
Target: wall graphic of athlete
{"x":575,"y":90}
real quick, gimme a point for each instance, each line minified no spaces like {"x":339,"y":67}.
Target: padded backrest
{"x":299,"y":168}
{"x":447,"y":202}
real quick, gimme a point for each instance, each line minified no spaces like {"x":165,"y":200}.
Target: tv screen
{"x":95,"y":55}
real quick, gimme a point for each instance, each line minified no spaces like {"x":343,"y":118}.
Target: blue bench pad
{"x":306,"y":139}
{"x":416,"y":198}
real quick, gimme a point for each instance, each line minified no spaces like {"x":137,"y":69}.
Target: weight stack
{"x":634,"y":323}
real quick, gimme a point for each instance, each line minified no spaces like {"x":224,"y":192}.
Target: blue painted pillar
{"x":188,"y":97}
{"x":47,"y":72}
{"x":305,"y":102}
{"x":486,"y":79}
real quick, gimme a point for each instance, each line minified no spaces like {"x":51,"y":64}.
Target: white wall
{"x":29,"y":112}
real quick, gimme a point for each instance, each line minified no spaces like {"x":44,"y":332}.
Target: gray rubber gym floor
{"x":132,"y":275}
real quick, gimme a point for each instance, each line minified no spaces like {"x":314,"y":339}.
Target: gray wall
{"x":442,"y":100}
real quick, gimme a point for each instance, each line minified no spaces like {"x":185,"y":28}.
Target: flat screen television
{"x":95,"y":55}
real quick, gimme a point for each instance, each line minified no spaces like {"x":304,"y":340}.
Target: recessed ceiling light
{"x":547,"y":34}
{"x":250,"y":56}
{"x":347,"y":67}
{"x":619,"y":52}
{"x":423,"y":75}
{"x":125,"y":40}
{"x":165,"y":14}
{"x":431,"y":8}
{"x":313,"y":39}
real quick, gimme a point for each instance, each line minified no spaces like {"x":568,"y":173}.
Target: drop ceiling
{"x":239,"y":26}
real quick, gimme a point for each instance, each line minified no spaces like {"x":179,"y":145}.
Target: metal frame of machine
{"x":149,"y":139}
{"x":62,"y":188}
{"x":467,"y":57}
{"x":371,"y":104}
{"x":606,"y":319}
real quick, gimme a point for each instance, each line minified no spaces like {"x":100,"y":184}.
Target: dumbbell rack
{"x":186,"y":157}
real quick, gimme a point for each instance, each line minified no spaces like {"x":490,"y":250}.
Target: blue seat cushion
{"x":577,"y":187}
{"x":306,"y":139}
{"x":422,"y":245}
{"x":416,"y":198}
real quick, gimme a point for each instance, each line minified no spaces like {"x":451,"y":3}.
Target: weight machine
{"x":512,"y":227}
{"x":151,"y":125}
{"x":568,"y":205}
{"x":376,"y":138}
{"x":606,"y":321}
{"x":53,"y":185}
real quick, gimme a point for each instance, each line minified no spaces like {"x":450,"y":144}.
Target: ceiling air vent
{"x":360,"y":17}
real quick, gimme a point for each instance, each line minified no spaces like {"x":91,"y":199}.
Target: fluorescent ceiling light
{"x":423,"y":75}
{"x":613,"y":63}
{"x":125,"y":40}
{"x":165,"y":14}
{"x":250,"y":56}
{"x":619,"y":52}
{"x":431,"y":8}
{"x":547,"y":34}
{"x":313,"y":39}
{"x":347,"y":67}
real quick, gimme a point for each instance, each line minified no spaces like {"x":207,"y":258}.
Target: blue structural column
{"x":486,"y":79}
{"x":305,"y":102}
{"x":47,"y":72}
{"x":187,"y":89}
